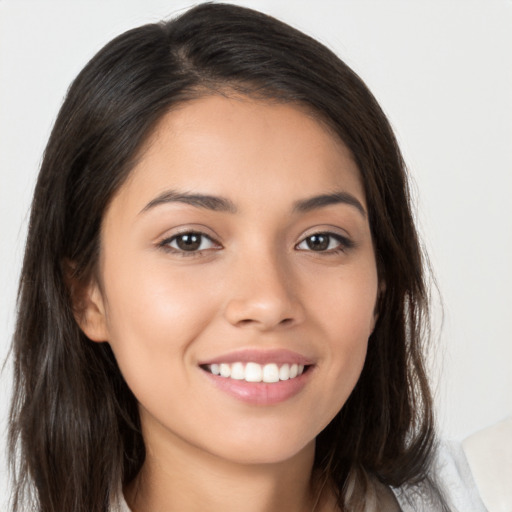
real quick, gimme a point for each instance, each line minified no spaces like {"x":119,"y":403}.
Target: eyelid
{"x":327,"y":229}
{"x":199,"y":229}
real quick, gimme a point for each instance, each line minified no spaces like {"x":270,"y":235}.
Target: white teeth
{"x":237,"y":371}
{"x":284,"y":372}
{"x":254,"y":372}
{"x":225,"y":370}
{"x":270,"y":373}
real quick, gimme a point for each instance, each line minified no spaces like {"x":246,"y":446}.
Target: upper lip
{"x":260,"y":356}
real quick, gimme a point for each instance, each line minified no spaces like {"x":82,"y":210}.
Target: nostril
{"x":249,"y":321}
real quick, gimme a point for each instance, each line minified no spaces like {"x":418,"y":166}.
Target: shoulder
{"x":450,"y":482}
{"x":489,"y":453}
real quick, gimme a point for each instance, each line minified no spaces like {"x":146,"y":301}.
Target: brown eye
{"x":318,"y":242}
{"x":189,"y":242}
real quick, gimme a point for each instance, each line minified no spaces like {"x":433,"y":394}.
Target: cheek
{"x":154,"y":300}
{"x":153,"y":316}
{"x":344,"y":304}
{"x":345,"y":318}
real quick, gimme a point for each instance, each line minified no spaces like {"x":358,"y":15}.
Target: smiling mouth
{"x":254,"y":372}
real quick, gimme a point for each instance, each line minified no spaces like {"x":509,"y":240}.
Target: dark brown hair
{"x":74,"y":425}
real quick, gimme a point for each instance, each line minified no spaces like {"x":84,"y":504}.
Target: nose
{"x":263,"y":294}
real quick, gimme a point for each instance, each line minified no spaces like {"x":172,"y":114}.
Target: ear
{"x":91,"y":316}
{"x":88,"y":306}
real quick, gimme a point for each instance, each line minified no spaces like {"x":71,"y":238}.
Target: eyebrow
{"x":215,"y":203}
{"x":312,"y":203}
{"x":222,"y":204}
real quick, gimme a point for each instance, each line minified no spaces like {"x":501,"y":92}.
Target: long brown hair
{"x":74,"y":425}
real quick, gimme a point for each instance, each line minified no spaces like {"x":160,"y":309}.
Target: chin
{"x":262,"y":448}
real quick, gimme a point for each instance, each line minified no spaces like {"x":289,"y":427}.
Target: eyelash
{"x":345,"y":244}
{"x":165,"y":244}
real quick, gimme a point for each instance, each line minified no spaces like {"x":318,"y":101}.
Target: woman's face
{"x":240,"y":244}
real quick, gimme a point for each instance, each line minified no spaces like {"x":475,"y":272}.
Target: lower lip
{"x":260,"y":393}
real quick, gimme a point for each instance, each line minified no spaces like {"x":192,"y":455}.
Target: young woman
{"x":223,"y":303}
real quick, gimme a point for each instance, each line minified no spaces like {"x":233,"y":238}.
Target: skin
{"x":256,"y":284}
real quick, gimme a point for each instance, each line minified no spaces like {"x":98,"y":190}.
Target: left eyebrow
{"x":312,"y":203}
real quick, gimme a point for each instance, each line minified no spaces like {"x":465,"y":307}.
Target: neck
{"x":177,"y":476}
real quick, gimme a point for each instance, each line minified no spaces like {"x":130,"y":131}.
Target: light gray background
{"x":442,"y":71}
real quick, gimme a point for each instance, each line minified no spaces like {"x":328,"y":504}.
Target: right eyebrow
{"x":341,"y":197}
{"x":209,"y":202}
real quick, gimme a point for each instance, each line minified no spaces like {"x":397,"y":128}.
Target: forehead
{"x":227,"y":145}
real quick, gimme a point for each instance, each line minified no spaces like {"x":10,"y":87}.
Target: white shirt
{"x":453,"y":477}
